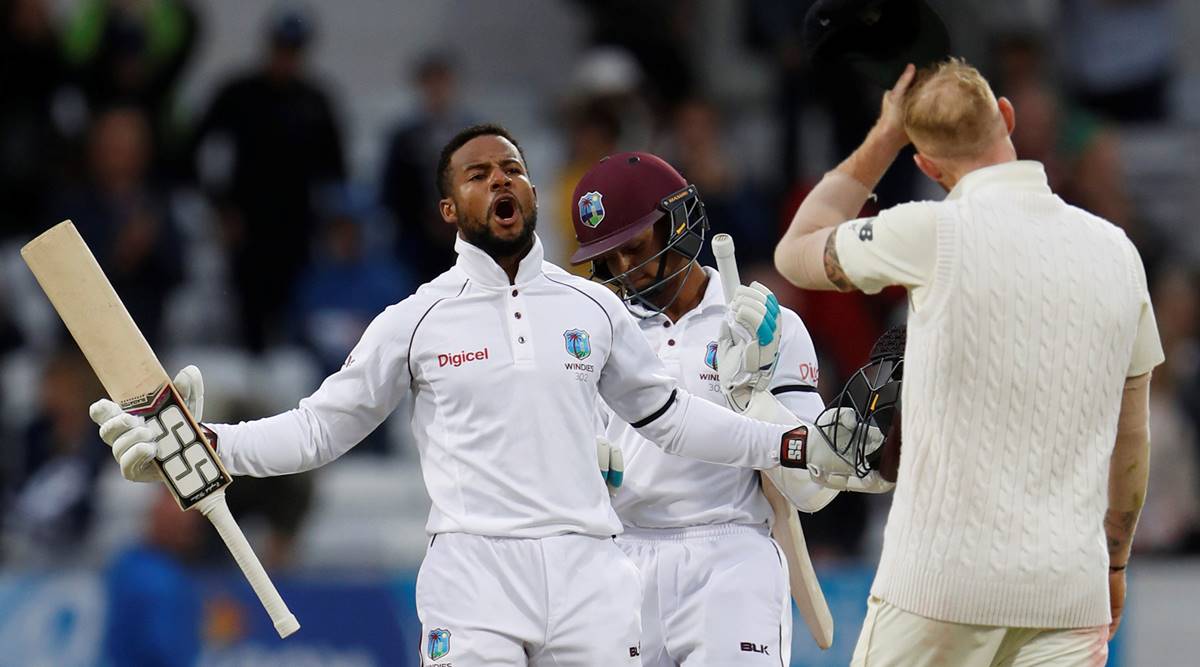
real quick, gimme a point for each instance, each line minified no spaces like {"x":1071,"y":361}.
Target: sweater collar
{"x":482,"y":269}
{"x":1023,"y":175}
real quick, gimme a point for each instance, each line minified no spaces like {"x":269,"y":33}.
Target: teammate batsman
{"x":1030,"y":344}
{"x":503,"y":359}
{"x":714,"y":585}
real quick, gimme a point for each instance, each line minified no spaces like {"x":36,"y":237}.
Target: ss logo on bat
{"x":185,"y":460}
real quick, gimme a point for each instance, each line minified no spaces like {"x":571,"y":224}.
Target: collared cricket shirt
{"x":663,"y":490}
{"x":503,"y":381}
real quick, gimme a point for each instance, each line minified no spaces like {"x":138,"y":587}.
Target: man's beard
{"x":480,"y":235}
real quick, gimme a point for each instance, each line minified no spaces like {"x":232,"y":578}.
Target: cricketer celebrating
{"x":714,"y":583}
{"x":503,"y":360}
{"x":1030,"y":344}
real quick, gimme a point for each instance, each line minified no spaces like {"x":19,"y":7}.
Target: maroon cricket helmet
{"x":620,"y":197}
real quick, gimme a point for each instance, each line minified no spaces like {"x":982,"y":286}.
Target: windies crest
{"x":579,"y":344}
{"x":591,"y":209}
{"x":710,"y":355}
{"x":439,"y":643}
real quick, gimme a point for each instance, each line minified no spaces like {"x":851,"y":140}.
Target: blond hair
{"x":951,"y":112}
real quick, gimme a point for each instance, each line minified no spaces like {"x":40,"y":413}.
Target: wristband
{"x":793,"y":448}
{"x":1117,"y":568}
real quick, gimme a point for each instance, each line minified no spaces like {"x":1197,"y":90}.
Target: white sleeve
{"x":345,"y":409}
{"x":1147,"y":346}
{"x":796,"y":371}
{"x":896,"y":247}
{"x":638,"y":389}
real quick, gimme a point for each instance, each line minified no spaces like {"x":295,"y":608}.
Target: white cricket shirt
{"x":1028,"y":315}
{"x":663,"y":490}
{"x":503,"y":380}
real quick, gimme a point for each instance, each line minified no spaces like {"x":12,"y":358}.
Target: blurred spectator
{"x":284,"y":136}
{"x":592,"y":133}
{"x":609,"y":78}
{"x":697,"y":146}
{"x":154,"y":605}
{"x":1119,"y":56}
{"x":658,"y":36}
{"x":132,"y":52}
{"x":281,"y":502}
{"x":30,"y":145}
{"x":347,"y":285}
{"x":1171,"y":517}
{"x":60,"y":455}
{"x":408,"y":184}
{"x":125,"y":218}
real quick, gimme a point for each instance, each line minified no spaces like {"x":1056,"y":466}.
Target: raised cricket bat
{"x":134,"y":378}
{"x":806,"y":589}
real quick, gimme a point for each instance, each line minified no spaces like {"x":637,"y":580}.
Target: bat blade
{"x":135,"y":379}
{"x":802,"y":578}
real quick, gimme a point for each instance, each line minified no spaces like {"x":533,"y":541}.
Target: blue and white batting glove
{"x":135,"y":443}
{"x":748,"y":344}
{"x":612,"y":464}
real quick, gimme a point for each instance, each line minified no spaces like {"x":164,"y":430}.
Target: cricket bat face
{"x":123,"y":360}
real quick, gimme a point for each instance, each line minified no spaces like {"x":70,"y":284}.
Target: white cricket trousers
{"x":712,"y":596}
{"x":563,"y":601}
{"x":892,"y":637}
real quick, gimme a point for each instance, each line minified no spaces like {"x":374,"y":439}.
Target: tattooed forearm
{"x":1118,"y":528}
{"x":833,"y":267}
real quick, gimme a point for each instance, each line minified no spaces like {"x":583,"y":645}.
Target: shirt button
{"x":517,"y":315}
{"x":514,"y":292}
{"x":520,"y":339}
{"x":666,"y":325}
{"x":671,"y":342}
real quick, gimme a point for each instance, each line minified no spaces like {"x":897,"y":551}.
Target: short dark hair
{"x":457,"y":141}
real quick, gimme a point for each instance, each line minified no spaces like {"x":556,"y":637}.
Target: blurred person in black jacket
{"x":30,"y":142}
{"x":286,"y":143}
{"x":125,"y":218}
{"x":59,"y":457}
{"x":407,"y":187}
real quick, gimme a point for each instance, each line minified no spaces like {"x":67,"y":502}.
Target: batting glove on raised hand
{"x":134,"y":442}
{"x":612,"y":464}
{"x":748,"y":344}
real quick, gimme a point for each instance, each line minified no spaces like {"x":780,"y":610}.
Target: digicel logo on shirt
{"x":461,"y":358}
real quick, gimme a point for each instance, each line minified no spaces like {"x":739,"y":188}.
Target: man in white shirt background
{"x":715,"y":586}
{"x":1030,"y":344}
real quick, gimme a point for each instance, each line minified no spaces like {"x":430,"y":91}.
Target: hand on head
{"x":891,"y":113}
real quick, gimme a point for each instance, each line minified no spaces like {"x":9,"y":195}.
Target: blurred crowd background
{"x":257,"y":180}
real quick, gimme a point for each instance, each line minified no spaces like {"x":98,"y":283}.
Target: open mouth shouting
{"x":504,"y":210}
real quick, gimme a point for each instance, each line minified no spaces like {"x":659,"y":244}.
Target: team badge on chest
{"x":439,"y":643}
{"x":579,"y":344}
{"x":710,"y":355}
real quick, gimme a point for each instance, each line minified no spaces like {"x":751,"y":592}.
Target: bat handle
{"x":723,"y":252}
{"x":217,"y":511}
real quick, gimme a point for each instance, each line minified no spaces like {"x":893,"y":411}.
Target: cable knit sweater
{"x":1016,"y":357}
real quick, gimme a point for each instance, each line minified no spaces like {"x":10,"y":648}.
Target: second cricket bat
{"x":806,"y":589}
{"x":134,"y":378}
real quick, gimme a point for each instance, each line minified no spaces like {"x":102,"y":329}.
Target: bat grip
{"x":723,"y":252}
{"x":217,"y":511}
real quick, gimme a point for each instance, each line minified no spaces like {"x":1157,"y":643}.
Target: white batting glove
{"x":132,"y":441}
{"x":748,"y":344}
{"x":612,"y":464}
{"x":832,"y":471}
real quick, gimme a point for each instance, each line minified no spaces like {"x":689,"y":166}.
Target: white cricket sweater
{"x":1014,"y":368}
